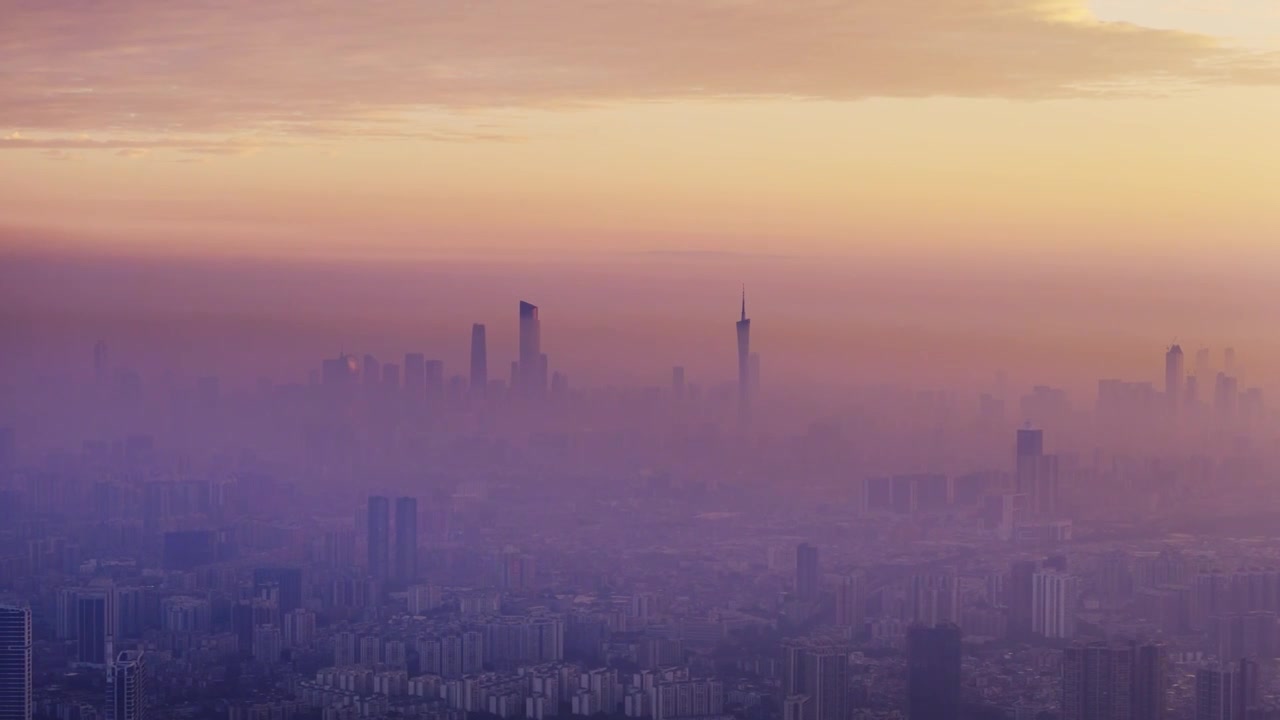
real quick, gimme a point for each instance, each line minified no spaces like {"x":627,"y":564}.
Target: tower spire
{"x":744,"y":301}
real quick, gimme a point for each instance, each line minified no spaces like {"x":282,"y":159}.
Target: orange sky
{"x":994,"y":133}
{"x":466,"y":127}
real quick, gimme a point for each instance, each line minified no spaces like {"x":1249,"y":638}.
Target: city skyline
{"x":373,"y":361}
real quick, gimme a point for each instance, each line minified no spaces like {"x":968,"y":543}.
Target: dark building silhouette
{"x":15,"y":663}
{"x":532,"y":375}
{"x":94,"y":615}
{"x":819,"y":673}
{"x":677,"y":382}
{"x":434,"y":370}
{"x":1098,"y":682}
{"x":1173,"y":378}
{"x":391,"y":376}
{"x":1227,"y":691}
{"x":287,"y":584}
{"x":479,"y":380}
{"x":807,"y":577}
{"x":933,"y":672}
{"x":1021,"y":596}
{"x":415,"y":372}
{"x":1036,"y":474}
{"x":379,"y":528}
{"x":744,"y":362}
{"x":1150,"y":681}
{"x":406,"y":558}
{"x":100,"y":363}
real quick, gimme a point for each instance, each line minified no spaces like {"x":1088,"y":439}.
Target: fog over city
{"x":639,"y":360}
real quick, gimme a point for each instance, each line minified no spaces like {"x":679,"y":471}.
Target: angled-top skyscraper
{"x":1173,"y":373}
{"x":532,"y":375}
{"x":744,"y":362}
{"x":479,"y":361}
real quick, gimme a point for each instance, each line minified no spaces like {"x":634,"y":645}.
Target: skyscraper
{"x":1021,"y":593}
{"x":1097,"y":682}
{"x":286,"y":582}
{"x":379,"y":527}
{"x":94,"y":618}
{"x":415,"y":372}
{"x":807,"y":585}
{"x":744,"y":362}
{"x":933,"y":672}
{"x":406,"y":560}
{"x":129,"y":687}
{"x":1226,"y":691}
{"x":479,"y":361}
{"x":531,"y":363}
{"x":850,"y":602}
{"x":15,"y":663}
{"x":826,"y":675}
{"x":1053,"y":604}
{"x":100,"y":365}
{"x":433,"y":372}
{"x":1150,"y":681}
{"x":818,"y":672}
{"x":370,"y":372}
{"x":1036,"y":474}
{"x":677,"y":382}
{"x":1173,"y":378}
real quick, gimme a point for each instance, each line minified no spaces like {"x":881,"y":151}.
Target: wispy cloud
{"x":327,"y":68}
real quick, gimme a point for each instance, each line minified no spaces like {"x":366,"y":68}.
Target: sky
{"x":1074,"y":165}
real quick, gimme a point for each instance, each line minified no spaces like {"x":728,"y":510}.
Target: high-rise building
{"x":285,"y":582}
{"x":1021,"y":592}
{"x":479,"y":381}
{"x":1225,"y":396}
{"x":15,"y":663}
{"x":94,"y":619}
{"x":1036,"y":474}
{"x":820,"y":673}
{"x":379,"y":527}
{"x":933,"y":672}
{"x":1173,"y":378}
{"x":677,"y":382}
{"x":744,"y":362}
{"x":340,"y":372}
{"x":406,"y":560}
{"x":826,"y":676}
{"x":268,"y":644}
{"x":933,"y":599}
{"x":391,"y":376}
{"x":415,"y":372}
{"x":807,"y":577}
{"x":1150,"y":681}
{"x":1053,"y":604}
{"x":370,"y":372}
{"x":434,"y":372}
{"x":1097,"y":682}
{"x":300,"y":629}
{"x":1227,"y":691}
{"x":532,"y":370}
{"x":850,"y":602}
{"x":129,"y":689}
